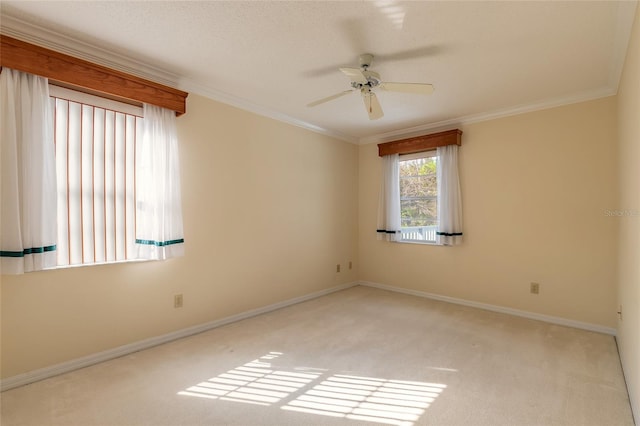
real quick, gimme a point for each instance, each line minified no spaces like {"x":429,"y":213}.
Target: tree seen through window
{"x":418,"y":192}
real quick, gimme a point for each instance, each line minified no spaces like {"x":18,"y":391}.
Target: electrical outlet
{"x":338,"y":267}
{"x":177,"y":301}
{"x":535,"y":288}
{"x":350,"y":265}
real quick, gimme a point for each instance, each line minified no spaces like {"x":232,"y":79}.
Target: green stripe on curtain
{"x":27,"y":251}
{"x":160,"y":243}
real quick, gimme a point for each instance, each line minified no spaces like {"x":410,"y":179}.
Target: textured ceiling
{"x":485,"y":59}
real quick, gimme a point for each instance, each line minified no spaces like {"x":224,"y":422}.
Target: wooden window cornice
{"x":69,"y":71}
{"x":421,"y":143}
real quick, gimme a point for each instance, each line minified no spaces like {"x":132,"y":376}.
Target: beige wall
{"x":629,"y":242}
{"x":534,"y":187}
{"x":269,"y":210}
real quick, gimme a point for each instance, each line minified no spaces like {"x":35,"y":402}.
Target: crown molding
{"x":622,"y":38}
{"x":25,"y":31}
{"x":624,"y":27}
{"x":228,"y":99}
{"x":492,"y":115}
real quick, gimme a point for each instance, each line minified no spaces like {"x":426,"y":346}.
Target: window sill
{"x":422,"y":243}
{"x":80,"y":265}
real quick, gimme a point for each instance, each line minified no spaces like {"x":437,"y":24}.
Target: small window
{"x":419,"y":197}
{"x":95,"y":142}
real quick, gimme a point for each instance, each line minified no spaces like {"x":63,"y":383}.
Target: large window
{"x":419,"y":196}
{"x":95,"y":141}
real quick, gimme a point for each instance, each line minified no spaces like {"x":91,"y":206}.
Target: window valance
{"x":421,"y":143}
{"x":80,"y":74}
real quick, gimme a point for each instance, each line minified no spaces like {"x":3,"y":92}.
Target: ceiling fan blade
{"x":329,"y":98}
{"x":355,"y":74}
{"x":372,"y":105}
{"x":420,"y":88}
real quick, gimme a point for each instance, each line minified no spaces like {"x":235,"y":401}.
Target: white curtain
{"x":449,"y":198}
{"x":389,"y":200}
{"x":28,"y":175}
{"x":159,"y":232}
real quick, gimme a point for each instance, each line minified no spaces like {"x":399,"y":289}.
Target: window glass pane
{"x":419,"y":212}
{"x":419,"y":199}
{"x":418,"y":186}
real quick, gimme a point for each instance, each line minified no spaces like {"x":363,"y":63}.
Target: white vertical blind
{"x":95,"y":156}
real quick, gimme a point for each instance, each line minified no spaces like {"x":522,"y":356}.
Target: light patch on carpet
{"x":377,"y":400}
{"x":394,"y":402}
{"x":255,"y":382}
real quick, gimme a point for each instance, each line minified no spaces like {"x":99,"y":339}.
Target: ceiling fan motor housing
{"x":373,"y":80}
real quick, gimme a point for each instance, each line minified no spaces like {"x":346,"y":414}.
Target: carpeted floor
{"x":359,"y":356}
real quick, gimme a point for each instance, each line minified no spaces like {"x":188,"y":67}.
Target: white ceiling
{"x":485,"y":59}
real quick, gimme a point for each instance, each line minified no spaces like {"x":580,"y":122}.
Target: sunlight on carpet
{"x":386,"y":401}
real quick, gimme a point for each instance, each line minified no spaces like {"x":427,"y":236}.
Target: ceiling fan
{"x":364,"y":81}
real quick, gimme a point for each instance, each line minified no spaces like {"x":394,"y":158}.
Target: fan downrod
{"x":365,"y":60}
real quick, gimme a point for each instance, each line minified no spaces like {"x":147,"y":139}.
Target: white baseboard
{"x":495,"y":308}
{"x":635,"y":409}
{"x":631,"y":391}
{"x":75,"y":364}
